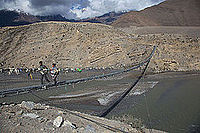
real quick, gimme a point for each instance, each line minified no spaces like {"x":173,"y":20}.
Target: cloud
{"x":100,"y":7}
{"x":75,"y":8}
{"x":22,"y":5}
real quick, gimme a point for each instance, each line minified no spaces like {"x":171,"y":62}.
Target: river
{"x":170,"y":102}
{"x":173,"y":104}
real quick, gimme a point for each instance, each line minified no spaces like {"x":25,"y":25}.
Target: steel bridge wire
{"x":22,"y":89}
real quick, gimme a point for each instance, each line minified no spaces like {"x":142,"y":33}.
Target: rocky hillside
{"x":174,"y":52}
{"x":168,"y":13}
{"x":95,"y":45}
{"x":69,"y":45}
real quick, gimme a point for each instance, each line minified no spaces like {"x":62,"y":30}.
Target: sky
{"x":75,"y":9}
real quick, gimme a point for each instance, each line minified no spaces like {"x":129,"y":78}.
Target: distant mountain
{"x":107,"y":18}
{"x":14,"y":18}
{"x":52,"y":18}
{"x":167,"y":13}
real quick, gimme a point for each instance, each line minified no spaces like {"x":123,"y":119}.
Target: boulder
{"x":58,"y":121}
{"x":28,"y":104}
{"x":31,"y":115}
{"x":67,"y":123}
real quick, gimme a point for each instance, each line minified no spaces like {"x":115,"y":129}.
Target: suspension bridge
{"x":30,"y":89}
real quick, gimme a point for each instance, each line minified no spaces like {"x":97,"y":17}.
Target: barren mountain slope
{"x":174,"y":52}
{"x":69,"y":44}
{"x":168,"y":13}
{"x":95,"y":45}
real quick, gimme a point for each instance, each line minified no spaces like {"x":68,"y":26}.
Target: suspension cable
{"x":124,"y":94}
{"x":29,"y":88}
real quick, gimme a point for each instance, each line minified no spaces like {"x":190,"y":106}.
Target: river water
{"x":173,"y":105}
{"x":170,"y":103}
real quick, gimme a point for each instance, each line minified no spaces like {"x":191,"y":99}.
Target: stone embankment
{"x":37,"y":118}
